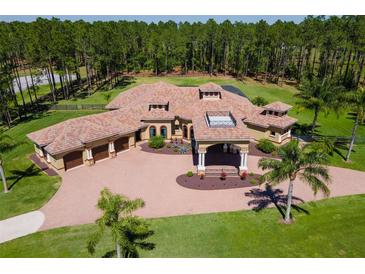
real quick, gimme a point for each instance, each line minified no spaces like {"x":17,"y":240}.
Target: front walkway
{"x":152,"y":177}
{"x":20,"y":225}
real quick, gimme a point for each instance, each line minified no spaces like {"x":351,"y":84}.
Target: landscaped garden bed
{"x":217,"y":182}
{"x":171,"y":147}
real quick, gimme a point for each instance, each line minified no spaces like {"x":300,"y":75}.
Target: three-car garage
{"x":100,"y":152}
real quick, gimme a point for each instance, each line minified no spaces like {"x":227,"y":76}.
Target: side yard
{"x":324,"y":231}
{"x":30,"y":188}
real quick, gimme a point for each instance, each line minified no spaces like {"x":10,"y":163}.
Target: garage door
{"x":73,"y":159}
{"x":100,"y":152}
{"x":121,"y":144}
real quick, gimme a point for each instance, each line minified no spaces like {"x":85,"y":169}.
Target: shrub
{"x":156,"y":142}
{"x":259,"y":101}
{"x":253,"y":182}
{"x":266,"y":146}
{"x":251,"y":174}
{"x":189,"y":173}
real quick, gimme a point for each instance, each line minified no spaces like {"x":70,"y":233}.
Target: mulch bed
{"x":43,"y":166}
{"x":214,"y":183}
{"x":165,"y":150}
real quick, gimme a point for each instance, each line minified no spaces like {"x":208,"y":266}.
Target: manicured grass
{"x":30,"y":188}
{"x":42,"y":90}
{"x":333,"y":228}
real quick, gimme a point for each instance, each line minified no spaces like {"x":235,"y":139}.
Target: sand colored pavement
{"x":152,"y":177}
{"x":20,"y":225}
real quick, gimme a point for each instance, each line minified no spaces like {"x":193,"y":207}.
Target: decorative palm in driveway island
{"x":296,"y":161}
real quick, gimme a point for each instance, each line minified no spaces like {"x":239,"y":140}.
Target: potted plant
{"x":223,"y":175}
{"x":201,"y":176}
{"x":243,"y":175}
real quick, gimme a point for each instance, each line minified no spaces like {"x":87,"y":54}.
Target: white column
{"x":289,"y":133}
{"x":245,"y":161}
{"x":48,"y":158}
{"x":111,"y":147}
{"x":243,"y":164}
{"x":201,"y":165}
{"x":225,"y":147}
{"x":89,"y":154}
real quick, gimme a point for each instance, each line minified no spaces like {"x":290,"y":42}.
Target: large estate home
{"x":206,"y":115}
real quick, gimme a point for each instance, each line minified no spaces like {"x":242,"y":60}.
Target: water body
{"x":38,"y":81}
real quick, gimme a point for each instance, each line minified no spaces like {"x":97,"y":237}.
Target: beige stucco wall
{"x":158,"y":125}
{"x":259,"y":133}
{"x":204,"y":145}
{"x":57,"y":162}
{"x":38,"y":151}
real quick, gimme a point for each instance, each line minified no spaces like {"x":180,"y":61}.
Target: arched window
{"x":191,"y":132}
{"x":163,"y":131}
{"x":152,"y":131}
{"x":185,"y":131}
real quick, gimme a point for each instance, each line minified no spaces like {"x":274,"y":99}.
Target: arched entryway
{"x":152,"y":131}
{"x":163,"y":131}
{"x":216,"y":155}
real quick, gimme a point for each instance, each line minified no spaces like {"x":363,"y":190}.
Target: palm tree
{"x":318,"y":95}
{"x":6,"y":144}
{"x":117,"y":211}
{"x":303,"y":162}
{"x":132,"y":234}
{"x":356,"y":100}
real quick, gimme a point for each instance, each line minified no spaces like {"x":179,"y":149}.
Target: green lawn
{"x":334,"y":228}
{"x":30,"y":188}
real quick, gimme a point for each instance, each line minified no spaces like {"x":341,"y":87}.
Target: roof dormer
{"x":277,"y":109}
{"x":157,"y":105}
{"x":210,"y":91}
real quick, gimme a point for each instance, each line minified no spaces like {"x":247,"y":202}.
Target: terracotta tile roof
{"x":132,"y":109}
{"x":278,"y":106}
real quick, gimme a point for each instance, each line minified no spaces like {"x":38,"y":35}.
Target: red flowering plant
{"x":243,"y":175}
{"x":223,"y":175}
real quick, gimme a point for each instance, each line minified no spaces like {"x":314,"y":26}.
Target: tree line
{"x":326,"y":47}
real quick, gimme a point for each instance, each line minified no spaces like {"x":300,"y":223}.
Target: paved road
{"x":20,"y":225}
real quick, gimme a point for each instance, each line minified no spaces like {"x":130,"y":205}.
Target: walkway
{"x":152,"y":177}
{"x":20,"y":225}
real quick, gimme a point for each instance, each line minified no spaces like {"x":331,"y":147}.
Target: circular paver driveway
{"x":152,"y":177}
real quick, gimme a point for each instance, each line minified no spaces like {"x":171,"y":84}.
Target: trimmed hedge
{"x":266,"y":146}
{"x":156,"y":142}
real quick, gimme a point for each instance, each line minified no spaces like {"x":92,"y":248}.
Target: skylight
{"x":220,"y":119}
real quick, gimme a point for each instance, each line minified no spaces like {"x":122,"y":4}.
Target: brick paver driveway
{"x":152,"y":177}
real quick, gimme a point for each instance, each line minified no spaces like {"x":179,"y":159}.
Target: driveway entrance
{"x":152,"y":177}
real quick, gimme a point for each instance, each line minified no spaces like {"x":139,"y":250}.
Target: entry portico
{"x":240,"y":147}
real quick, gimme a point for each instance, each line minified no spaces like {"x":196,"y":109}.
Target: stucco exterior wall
{"x":57,"y":162}
{"x":158,"y":125}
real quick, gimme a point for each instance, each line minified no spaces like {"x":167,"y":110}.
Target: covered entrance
{"x":214,"y":155}
{"x":72,"y":159}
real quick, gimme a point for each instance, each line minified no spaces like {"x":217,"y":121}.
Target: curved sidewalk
{"x":20,"y":225}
